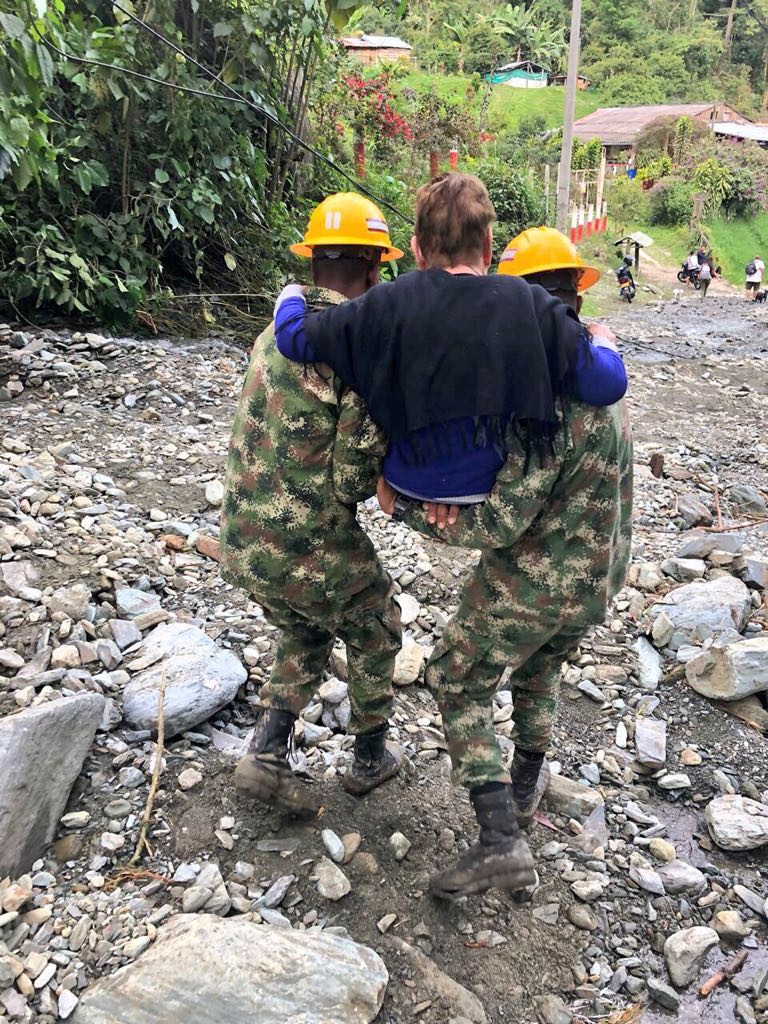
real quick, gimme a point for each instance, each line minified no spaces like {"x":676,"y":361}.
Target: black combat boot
{"x":374,"y":763}
{"x":530,"y":780}
{"x":500,"y":859}
{"x":264,"y":772}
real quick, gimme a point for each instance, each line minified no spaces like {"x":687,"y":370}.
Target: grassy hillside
{"x":508,"y":106}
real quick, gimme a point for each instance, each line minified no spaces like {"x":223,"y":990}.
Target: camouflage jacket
{"x":567,"y":523}
{"x":301,"y":454}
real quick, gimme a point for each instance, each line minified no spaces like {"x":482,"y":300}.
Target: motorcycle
{"x":686,"y":274}
{"x":627,"y":287}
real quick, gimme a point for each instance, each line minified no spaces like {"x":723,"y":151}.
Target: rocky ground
{"x":652,"y":847}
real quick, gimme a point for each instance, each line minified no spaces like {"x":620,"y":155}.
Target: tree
{"x":627,"y":205}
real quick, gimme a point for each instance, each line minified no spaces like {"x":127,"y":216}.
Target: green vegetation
{"x":117,"y":190}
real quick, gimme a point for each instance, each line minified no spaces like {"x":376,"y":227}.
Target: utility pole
{"x":571,"y":84}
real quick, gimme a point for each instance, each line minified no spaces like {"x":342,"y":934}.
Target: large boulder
{"x":730,"y":671}
{"x":42,"y":751}
{"x":706,"y":609}
{"x":737,"y":823}
{"x":201,"y":679}
{"x":203,"y":969}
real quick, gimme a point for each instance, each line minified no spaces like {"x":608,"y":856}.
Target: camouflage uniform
{"x":556,"y":543}
{"x":302,"y":454}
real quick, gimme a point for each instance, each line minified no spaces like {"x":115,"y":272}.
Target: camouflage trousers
{"x":507,"y":618}
{"x":370,"y":627}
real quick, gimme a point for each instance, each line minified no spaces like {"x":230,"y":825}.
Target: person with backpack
{"x":754,"y":271}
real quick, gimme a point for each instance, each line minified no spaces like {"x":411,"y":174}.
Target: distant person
{"x":702,"y":255}
{"x":691,"y":266}
{"x":705,"y":278}
{"x":754,"y":271}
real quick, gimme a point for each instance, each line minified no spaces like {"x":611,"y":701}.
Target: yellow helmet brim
{"x":389,"y":252}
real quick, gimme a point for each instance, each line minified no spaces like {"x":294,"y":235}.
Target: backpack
{"x":750,"y":269}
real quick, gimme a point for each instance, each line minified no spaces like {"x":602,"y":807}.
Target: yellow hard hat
{"x":347,"y":219}
{"x":538,"y":250}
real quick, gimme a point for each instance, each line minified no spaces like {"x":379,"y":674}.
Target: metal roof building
{"x":620,"y":126}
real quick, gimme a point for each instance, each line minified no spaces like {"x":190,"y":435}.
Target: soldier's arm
{"x":515,"y":501}
{"x":357,"y":452}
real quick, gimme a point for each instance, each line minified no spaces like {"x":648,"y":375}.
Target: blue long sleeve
{"x":599,"y":376}
{"x":290,"y":335}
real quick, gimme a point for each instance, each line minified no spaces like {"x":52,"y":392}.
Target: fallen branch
{"x":733,"y":966}
{"x":718,"y":513}
{"x":156,"y":769}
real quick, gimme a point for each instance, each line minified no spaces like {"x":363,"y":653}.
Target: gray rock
{"x":679,"y":877}
{"x":648,"y":664}
{"x":437,"y":985}
{"x":663,"y":994}
{"x":275,"y":894}
{"x":203,"y":969}
{"x":409,"y":608}
{"x":737,"y":823}
{"x":651,"y":742}
{"x":684,"y":953}
{"x":131,"y":603}
{"x":200,"y":679}
{"x":582,"y":917}
{"x":743,"y":1011}
{"x":751,"y":899}
{"x":674,"y":780}
{"x":693,"y":510}
{"x":124,"y":632}
{"x":748,"y":499}
{"x":700,"y":544}
{"x":42,"y":750}
{"x":333,"y":845}
{"x":591,"y":691}
{"x":408,"y":664}
{"x":332,"y":883}
{"x":571,"y":798}
{"x":684,"y":569}
{"x":552,"y":1010}
{"x":69,"y":602}
{"x":399,"y":845}
{"x":708,"y":608}
{"x":731,"y":926}
{"x":756,"y":571}
{"x":730,"y":671}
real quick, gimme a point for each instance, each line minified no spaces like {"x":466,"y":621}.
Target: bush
{"x":627,"y":203}
{"x":672,"y":204}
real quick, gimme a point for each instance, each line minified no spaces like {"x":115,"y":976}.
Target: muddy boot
{"x":530,"y":780}
{"x":374,"y":763}
{"x":501,"y":858}
{"x":264,"y":772}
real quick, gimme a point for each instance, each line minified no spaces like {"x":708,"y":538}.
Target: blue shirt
{"x":463,"y":473}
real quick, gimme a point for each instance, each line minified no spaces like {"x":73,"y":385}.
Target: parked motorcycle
{"x":627,"y":287}
{"x":686,"y":274}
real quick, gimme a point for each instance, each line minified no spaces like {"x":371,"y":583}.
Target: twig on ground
{"x":156,"y":769}
{"x":733,"y":966}
{"x":718,"y":513}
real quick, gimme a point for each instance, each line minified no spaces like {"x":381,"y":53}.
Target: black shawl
{"x":433,"y":346}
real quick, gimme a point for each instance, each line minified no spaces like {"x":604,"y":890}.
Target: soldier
{"x":554,"y":542}
{"x":289,"y":533}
